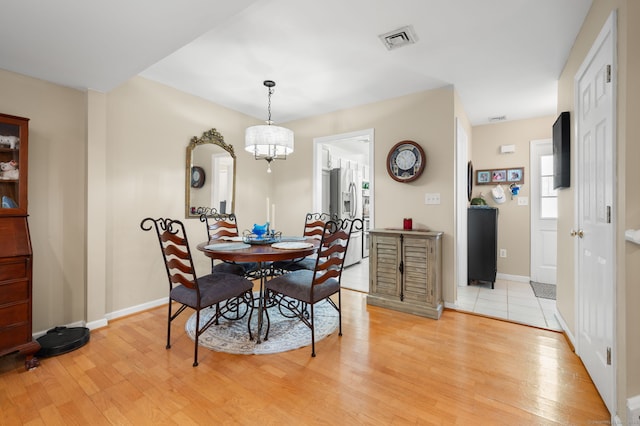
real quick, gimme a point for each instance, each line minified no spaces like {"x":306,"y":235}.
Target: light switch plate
{"x":432,"y":198}
{"x":523,"y":201}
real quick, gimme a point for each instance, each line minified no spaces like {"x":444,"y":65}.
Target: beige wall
{"x":426,"y":118}
{"x":629,"y":318}
{"x":514,"y":223}
{"x":149,"y":128}
{"x":56,"y":193}
{"x":627,"y":347}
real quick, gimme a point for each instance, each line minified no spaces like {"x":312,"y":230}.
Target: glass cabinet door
{"x":13,"y":164}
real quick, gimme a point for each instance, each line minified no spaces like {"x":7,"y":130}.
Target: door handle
{"x":579,"y":233}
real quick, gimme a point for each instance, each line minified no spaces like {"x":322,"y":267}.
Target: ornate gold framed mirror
{"x":210,"y":175}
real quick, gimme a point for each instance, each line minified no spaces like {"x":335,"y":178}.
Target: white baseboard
{"x":103,"y":322}
{"x":633,"y":410}
{"x":516,"y":278}
{"x":565,"y":327}
{"x":452,"y":305}
{"x":138,"y":308}
{"x":73,"y":324}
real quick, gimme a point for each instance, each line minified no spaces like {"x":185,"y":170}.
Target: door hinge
{"x":608,"y":356}
{"x":608,"y":214}
{"x":608,"y":73}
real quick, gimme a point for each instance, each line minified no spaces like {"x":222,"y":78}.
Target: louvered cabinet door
{"x":383,"y":266}
{"x":418,"y":264}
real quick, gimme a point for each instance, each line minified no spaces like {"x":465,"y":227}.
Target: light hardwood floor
{"x":387,"y":368}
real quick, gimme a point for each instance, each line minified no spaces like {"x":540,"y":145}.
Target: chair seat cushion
{"x":241,"y":268}
{"x":214,"y":288}
{"x":308,"y":263}
{"x":297,"y":284}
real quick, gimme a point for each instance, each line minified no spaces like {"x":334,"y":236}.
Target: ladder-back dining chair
{"x":220,"y":227}
{"x":297,"y":292}
{"x":228,"y":294}
{"x":313,"y":228}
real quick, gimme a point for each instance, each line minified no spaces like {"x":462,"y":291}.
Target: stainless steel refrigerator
{"x":345,"y":202}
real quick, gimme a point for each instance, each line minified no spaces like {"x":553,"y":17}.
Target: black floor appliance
{"x":482,"y":244}
{"x":60,"y":340}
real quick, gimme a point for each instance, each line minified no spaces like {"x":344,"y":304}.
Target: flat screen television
{"x":561,"y":151}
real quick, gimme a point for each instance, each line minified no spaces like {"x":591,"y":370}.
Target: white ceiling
{"x":502,"y":56}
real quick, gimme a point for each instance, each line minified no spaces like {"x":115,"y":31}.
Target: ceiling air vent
{"x":497,"y":118}
{"x":398,"y":38}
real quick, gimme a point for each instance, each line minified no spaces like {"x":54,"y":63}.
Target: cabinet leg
{"x":31,"y":362}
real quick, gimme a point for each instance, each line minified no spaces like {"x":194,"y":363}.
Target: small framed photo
{"x":483,"y":177}
{"x":498,"y":176}
{"x":515,"y":175}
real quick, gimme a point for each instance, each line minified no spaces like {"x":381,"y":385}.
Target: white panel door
{"x":544,"y":213}
{"x":595,"y":234}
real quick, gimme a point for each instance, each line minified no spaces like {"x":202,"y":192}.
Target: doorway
{"x":544,"y":213}
{"x":347,"y":154}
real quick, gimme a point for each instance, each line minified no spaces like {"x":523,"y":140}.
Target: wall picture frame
{"x":497,"y":176}
{"x":515,"y":175}
{"x":483,"y":177}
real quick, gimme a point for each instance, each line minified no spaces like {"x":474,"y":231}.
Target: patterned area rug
{"x":544,"y":291}
{"x":285,"y":334}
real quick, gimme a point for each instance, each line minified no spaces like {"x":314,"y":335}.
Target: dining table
{"x":262,"y":252}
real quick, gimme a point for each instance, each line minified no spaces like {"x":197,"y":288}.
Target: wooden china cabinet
{"x":15,"y":243}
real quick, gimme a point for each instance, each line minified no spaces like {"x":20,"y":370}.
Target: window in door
{"x":548,"y":195}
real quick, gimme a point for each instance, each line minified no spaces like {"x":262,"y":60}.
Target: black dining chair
{"x":230,"y":295}
{"x":313,"y":229}
{"x":296,"y":292}
{"x":221,"y":226}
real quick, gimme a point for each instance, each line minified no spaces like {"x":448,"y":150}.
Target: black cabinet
{"x":482,"y":244}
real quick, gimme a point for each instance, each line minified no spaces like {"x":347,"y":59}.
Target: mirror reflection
{"x":210,"y":175}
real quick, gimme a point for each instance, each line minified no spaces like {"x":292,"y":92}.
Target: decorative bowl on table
{"x":251,"y":237}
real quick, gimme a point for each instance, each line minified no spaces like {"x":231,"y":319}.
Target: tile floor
{"x":510,"y":300}
{"x":356,"y":277}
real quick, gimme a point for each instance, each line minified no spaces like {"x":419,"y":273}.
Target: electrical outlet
{"x":503,"y":252}
{"x":433,"y":198}
{"x":523,"y":201}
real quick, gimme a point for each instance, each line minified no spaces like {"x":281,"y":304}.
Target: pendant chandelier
{"x":266,"y":141}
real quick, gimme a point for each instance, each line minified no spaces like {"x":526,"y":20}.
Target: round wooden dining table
{"x":262,"y":254}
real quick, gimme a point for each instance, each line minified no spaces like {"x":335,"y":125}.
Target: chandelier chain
{"x":269,"y":106}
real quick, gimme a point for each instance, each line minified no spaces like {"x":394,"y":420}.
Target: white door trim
{"x":461,"y":203}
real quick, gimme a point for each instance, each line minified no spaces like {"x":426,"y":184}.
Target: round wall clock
{"x":197,"y":177}
{"x":406,"y":161}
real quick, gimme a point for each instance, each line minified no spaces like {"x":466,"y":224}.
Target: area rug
{"x":544,"y":291}
{"x":285,"y":334}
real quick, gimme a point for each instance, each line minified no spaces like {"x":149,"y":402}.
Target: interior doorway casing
{"x":461,"y":203}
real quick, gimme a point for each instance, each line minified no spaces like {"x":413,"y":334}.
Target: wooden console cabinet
{"x":405,"y":271}
{"x":15,"y":247}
